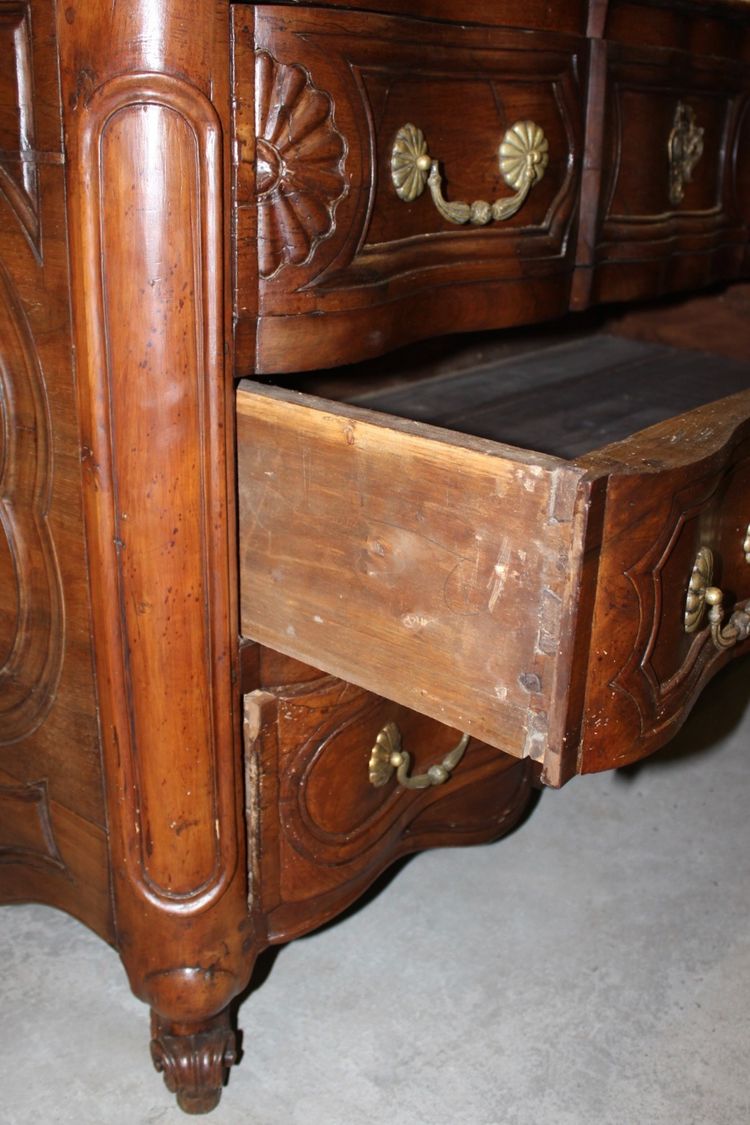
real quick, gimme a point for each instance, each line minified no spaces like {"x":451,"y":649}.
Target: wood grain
{"x":324,"y":832}
{"x":435,"y":569}
{"x":346,"y":269}
{"x":53,"y":817}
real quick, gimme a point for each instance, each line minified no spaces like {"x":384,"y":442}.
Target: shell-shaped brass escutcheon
{"x":523,"y":157}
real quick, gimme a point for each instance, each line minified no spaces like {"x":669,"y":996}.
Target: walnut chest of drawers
{"x":258,"y":640}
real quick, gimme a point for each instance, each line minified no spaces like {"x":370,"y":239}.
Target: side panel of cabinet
{"x":52,"y":839}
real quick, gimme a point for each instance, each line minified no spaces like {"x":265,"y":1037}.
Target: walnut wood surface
{"x":568,"y":17}
{"x":324,"y":832}
{"x":559,"y":549}
{"x":466,"y":581}
{"x":52,"y":835}
{"x":461,"y":561}
{"x":634,"y":241}
{"x":146,"y":100}
{"x":571,"y":398}
{"x":346,"y":269}
{"x":332,"y":267}
{"x":671,"y":489}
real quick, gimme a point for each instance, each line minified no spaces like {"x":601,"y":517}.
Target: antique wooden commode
{"x":256,"y":643}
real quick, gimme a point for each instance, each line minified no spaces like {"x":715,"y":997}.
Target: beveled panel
{"x":346,"y":269}
{"x":153,"y":250}
{"x":32,"y":624}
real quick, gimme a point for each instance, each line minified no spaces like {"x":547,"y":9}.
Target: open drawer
{"x":535,"y":600}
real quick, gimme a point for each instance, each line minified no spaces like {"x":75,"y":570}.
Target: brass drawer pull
{"x":685,"y":148}
{"x":523,"y":155}
{"x":702,"y":594}
{"x":387,"y":756}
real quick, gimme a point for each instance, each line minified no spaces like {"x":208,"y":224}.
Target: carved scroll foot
{"x":194,"y":1060}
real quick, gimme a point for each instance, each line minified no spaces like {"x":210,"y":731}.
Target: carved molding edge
{"x":300,"y":160}
{"x":168,"y":816}
{"x":30,"y":674}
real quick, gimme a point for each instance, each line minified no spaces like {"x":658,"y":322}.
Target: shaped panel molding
{"x":26,"y":834}
{"x":31,"y":599}
{"x":155,"y":470}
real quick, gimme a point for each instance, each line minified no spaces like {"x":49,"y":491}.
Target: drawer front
{"x":662,"y":205}
{"x":324,"y":829}
{"x":346,"y":267}
{"x":438,"y":570}
{"x":673,"y":492}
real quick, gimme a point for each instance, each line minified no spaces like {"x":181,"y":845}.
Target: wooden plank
{"x":596,"y":390}
{"x":438,"y":570}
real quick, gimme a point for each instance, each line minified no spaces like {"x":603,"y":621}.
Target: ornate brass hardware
{"x":738,"y":627}
{"x":746,"y":545}
{"x":523,"y":156}
{"x":700,"y":580}
{"x":685,"y":148}
{"x":387,"y":756}
{"x":702,"y":594}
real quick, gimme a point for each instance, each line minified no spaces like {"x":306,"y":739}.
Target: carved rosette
{"x":300,"y":160}
{"x":194,"y":1066}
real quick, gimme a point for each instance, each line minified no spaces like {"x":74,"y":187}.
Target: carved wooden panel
{"x":324,"y":831}
{"x":645,"y":669}
{"x":31,"y":605}
{"x":300,"y":161}
{"x":334,"y":239}
{"x":643,"y":238}
{"x":51,"y":809}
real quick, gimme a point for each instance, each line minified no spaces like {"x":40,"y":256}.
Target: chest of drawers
{"x":255,"y":642}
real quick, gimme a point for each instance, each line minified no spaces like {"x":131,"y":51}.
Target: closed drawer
{"x":663,"y":197}
{"x":532,"y":600}
{"x":328,"y":817}
{"x":333,"y":264}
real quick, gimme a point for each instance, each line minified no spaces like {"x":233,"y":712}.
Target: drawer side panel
{"x":436,"y":570}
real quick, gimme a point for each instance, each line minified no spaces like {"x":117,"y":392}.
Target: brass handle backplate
{"x":523,"y":156}
{"x":685,"y":148}
{"x":701,"y":595}
{"x":387,"y":757}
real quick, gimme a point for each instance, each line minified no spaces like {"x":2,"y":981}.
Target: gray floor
{"x":592,"y":969}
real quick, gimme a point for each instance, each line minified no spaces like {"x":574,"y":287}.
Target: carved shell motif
{"x":300,"y":162}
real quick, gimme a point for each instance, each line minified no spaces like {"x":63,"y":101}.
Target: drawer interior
{"x":565,"y":392}
{"x":453,"y":528}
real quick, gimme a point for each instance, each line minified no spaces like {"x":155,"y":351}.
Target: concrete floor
{"x":591,"y":969}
